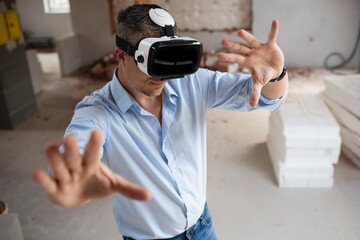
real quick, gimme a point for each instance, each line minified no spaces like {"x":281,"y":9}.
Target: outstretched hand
{"x":78,"y":179}
{"x":264,"y":61}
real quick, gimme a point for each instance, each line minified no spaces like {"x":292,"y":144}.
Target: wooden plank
{"x":350,"y":140}
{"x":345,"y":90}
{"x":306,"y":115}
{"x":352,"y":156}
{"x":343,"y":116}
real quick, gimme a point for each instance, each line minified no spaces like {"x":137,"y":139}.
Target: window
{"x":56,"y":6}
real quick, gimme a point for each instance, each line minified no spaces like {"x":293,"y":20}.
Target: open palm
{"x":77,"y":179}
{"x":264,"y":61}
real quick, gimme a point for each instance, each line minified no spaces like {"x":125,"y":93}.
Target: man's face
{"x":140,"y":81}
{"x":134,"y":80}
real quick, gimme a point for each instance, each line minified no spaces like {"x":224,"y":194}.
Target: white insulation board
{"x":316,"y":176}
{"x":306,"y":115}
{"x":299,"y":141}
{"x":304,"y":168}
{"x":303,"y":156}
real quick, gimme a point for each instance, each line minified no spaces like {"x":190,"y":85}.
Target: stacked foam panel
{"x":304,"y":143}
{"x":342,"y":95}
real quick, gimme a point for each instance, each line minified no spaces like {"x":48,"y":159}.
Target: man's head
{"x":134,"y":23}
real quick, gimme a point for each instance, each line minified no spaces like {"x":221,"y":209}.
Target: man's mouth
{"x":158,"y":83}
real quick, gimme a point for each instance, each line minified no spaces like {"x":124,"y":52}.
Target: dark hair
{"x":134,"y":23}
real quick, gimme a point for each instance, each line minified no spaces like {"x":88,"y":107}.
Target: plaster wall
{"x":310,"y":30}
{"x":70,"y":55}
{"x":91,"y":25}
{"x":37,"y":23}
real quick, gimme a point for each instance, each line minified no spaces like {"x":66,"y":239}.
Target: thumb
{"x":255,"y":94}
{"x":125,"y":187}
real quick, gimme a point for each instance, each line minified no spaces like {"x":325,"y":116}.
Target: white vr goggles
{"x":164,"y":57}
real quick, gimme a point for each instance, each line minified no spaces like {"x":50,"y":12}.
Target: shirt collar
{"x":169,"y":91}
{"x":124,"y":100}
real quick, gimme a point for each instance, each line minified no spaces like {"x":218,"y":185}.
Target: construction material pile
{"x":342,"y":95}
{"x":304,"y":142}
{"x":102,"y":69}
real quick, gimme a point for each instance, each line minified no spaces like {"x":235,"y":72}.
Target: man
{"x":152,"y":132}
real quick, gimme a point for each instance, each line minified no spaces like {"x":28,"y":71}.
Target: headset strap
{"x":125,"y":46}
{"x":169,"y":30}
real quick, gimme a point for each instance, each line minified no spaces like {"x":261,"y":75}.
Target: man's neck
{"x":152,"y":104}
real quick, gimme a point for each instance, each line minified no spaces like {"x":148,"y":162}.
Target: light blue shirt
{"x":169,"y":159}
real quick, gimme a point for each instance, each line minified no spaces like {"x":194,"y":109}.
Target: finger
{"x":236,"y":46}
{"x":58,"y":166}
{"x":273,"y":31}
{"x":107,"y":172}
{"x":124,"y":187}
{"x":130,"y":190}
{"x":255,"y":94}
{"x":249,"y":38}
{"x":92,"y":150}
{"x":45,"y":182}
{"x":71,"y":154}
{"x":231,"y":57}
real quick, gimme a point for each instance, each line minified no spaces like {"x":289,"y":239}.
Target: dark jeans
{"x":202,"y":230}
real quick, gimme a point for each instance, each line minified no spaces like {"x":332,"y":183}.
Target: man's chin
{"x":154,"y":93}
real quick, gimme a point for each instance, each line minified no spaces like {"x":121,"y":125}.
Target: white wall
{"x":310,"y":29}
{"x":91,"y":25}
{"x":34,"y":20}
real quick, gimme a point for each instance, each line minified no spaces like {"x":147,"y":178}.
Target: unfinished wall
{"x":310,"y":30}
{"x":208,"y":21}
{"x":35,"y":21}
{"x":91,"y":25}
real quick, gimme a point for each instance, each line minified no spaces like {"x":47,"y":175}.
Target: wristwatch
{"x":282,"y":75}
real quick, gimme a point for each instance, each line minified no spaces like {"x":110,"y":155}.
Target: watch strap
{"x":282,"y":75}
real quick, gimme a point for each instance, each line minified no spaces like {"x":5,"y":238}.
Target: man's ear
{"x":120,"y":54}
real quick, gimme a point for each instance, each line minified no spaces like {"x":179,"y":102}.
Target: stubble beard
{"x":154,"y":93}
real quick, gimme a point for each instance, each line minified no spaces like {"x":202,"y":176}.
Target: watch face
{"x":174,"y":58}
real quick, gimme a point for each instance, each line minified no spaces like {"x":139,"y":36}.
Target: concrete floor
{"x":243,"y":197}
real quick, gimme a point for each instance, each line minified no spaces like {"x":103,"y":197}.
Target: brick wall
{"x":206,"y":20}
{"x":203,"y":15}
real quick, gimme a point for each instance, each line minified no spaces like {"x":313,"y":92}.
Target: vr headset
{"x":164,"y":57}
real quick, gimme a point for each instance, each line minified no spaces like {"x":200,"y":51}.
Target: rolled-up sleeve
{"x":84,"y":121}
{"x":232,"y":92}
